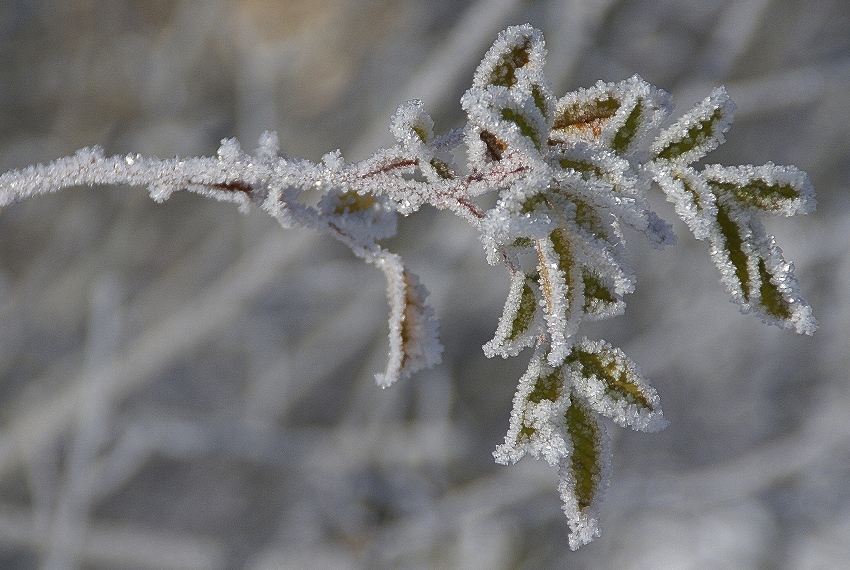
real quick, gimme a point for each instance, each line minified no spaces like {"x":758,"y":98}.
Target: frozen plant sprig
{"x":568,"y":175}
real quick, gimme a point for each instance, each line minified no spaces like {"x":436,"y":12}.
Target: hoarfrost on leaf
{"x":698,"y":132}
{"x":566,"y":177}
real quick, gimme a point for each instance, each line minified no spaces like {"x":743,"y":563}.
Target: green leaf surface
{"x":526,"y":126}
{"x":586,"y":459}
{"x":733,"y":245}
{"x":626,"y":134}
{"x":615,"y":372}
{"x":694,"y":137}
{"x":772,"y":300}
{"x":599,"y":298}
{"x":504,"y":71}
{"x":525,"y":312}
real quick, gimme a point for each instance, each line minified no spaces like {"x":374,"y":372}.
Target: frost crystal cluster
{"x":568,"y":175}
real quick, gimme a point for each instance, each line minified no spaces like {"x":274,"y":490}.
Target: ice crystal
{"x":567,"y":176}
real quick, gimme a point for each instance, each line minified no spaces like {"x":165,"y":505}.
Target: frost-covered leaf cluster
{"x":568,"y":175}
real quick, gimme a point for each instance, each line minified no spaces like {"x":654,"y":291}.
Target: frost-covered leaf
{"x":549,"y":421}
{"x":698,"y":132}
{"x":414,"y":342}
{"x":618,"y":116}
{"x":412,"y":126}
{"x":601,"y":298}
{"x":507,"y":115}
{"x":364,"y":217}
{"x":724,"y":204}
{"x":510,"y":103}
{"x":772,"y":189}
{"x":584,"y":473}
{"x":518,"y":326}
{"x":755,"y":272}
{"x":522,"y":212}
{"x":560,"y":284}
{"x":537,"y":425}
{"x":608,"y":181}
{"x":584,"y":114}
{"x":517,"y":56}
{"x":613,"y":386}
{"x":575,"y":208}
{"x":691,"y":195}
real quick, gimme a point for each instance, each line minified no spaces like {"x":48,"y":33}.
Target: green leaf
{"x":561,"y":243}
{"x":586,"y":168}
{"x":698,"y":132}
{"x":733,"y":245}
{"x":442,"y":169}
{"x":626,"y":134}
{"x":759,"y":194}
{"x":350,"y":202}
{"x":525,"y":312}
{"x":541,"y":97}
{"x":524,"y":124}
{"x":537,"y":201}
{"x":771,"y":298}
{"x":559,"y":276}
{"x":600,"y":299}
{"x":695,"y":136}
{"x":548,"y":386}
{"x":583,"y":473}
{"x":589,"y":219}
{"x":754,"y":270}
{"x":691,"y":195}
{"x":585,"y":462}
{"x":504,"y":70}
{"x":613,"y":386}
{"x":516,"y":329}
{"x":510,"y":103}
{"x":516,"y":48}
{"x":771,"y":189}
{"x":537,"y":424}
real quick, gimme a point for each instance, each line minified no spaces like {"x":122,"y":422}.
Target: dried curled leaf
{"x":414,"y":343}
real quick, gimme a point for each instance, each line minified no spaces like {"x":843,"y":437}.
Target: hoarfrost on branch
{"x":568,"y":174}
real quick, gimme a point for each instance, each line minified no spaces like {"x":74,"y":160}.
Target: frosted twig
{"x":563,"y":177}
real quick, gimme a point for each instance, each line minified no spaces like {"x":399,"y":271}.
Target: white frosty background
{"x":186,"y":387}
